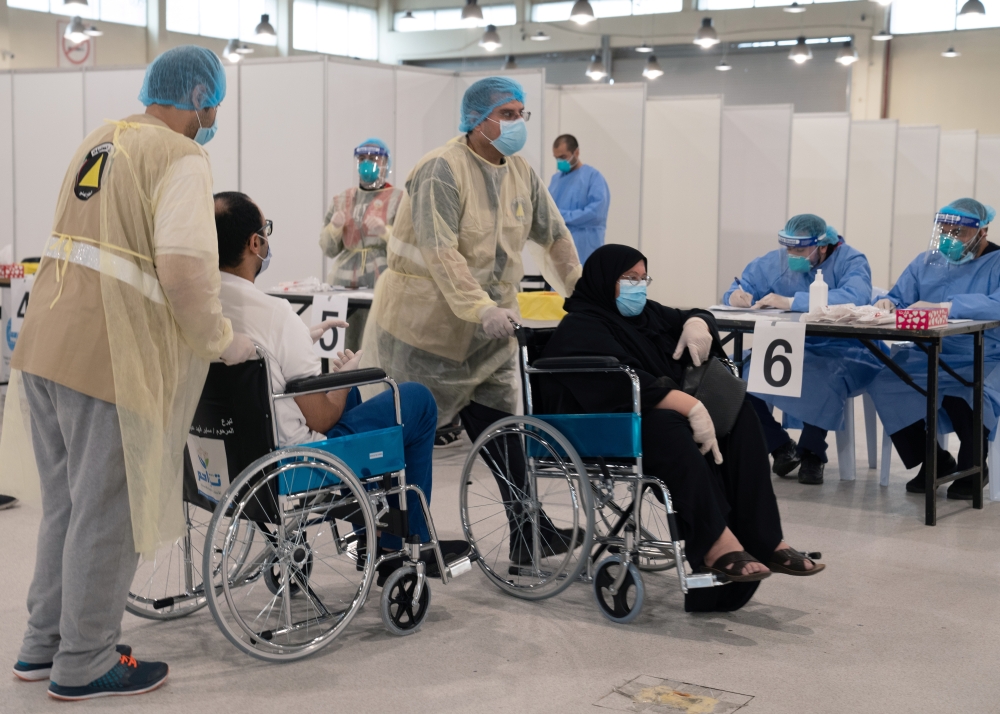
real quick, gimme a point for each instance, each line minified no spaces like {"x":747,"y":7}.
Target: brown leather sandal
{"x":728,"y":566}
{"x":796,"y":563}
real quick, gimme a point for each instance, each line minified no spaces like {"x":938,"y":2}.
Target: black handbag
{"x":716,"y":385}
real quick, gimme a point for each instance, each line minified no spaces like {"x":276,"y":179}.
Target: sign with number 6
{"x":778,"y":350}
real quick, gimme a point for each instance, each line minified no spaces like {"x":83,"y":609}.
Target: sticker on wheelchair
{"x":211,"y":470}
{"x":778,"y":350}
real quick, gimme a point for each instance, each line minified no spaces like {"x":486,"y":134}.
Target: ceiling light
{"x":882,"y":36}
{"x":509,"y":63}
{"x":723,"y":66}
{"x":407,"y":21}
{"x":800,"y":52}
{"x":582,"y":12}
{"x":76,"y":31}
{"x":71,"y":3}
{"x":950,"y":52}
{"x":595,"y":70}
{"x":884,"y":3}
{"x":795,"y":8}
{"x":264,"y":29}
{"x":847,"y":54}
{"x":540,"y":37}
{"x":232,"y":52}
{"x":491,"y":39}
{"x":472,"y":14}
{"x":92,"y":31}
{"x":706,"y":36}
{"x":652,"y":69}
{"x":972,"y":7}
{"x":644,"y":48}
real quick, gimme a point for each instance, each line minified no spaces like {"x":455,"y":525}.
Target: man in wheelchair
{"x":271,"y":323}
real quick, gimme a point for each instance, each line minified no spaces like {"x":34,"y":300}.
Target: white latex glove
{"x":240,"y":350}
{"x":497,"y":322}
{"x":317,"y":331}
{"x":704,"y":431}
{"x":740,"y":298}
{"x":338,"y":219}
{"x":374,"y":226}
{"x":886,"y":304}
{"x":697,"y":339}
{"x":774,"y":300}
{"x":346,"y":361}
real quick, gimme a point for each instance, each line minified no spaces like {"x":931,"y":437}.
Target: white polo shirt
{"x":272,"y":323}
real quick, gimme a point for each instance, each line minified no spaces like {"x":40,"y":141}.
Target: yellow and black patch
{"x":91,"y":174}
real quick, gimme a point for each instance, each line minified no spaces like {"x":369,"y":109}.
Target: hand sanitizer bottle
{"x":818,"y":293}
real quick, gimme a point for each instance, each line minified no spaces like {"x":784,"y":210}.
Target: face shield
{"x":801,"y":252}
{"x":373,"y":166}
{"x":955,"y":239}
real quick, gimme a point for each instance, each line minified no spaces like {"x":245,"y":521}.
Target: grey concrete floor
{"x":906,"y":618}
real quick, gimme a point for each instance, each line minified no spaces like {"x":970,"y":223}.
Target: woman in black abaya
{"x":721,"y":487}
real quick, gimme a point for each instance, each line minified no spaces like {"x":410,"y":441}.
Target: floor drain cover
{"x":654,"y":695}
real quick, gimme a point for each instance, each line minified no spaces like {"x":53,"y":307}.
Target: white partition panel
{"x":818,"y":173}
{"x":680,"y":187}
{"x":6,"y":163}
{"x":915,"y":195}
{"x":224,"y":148}
{"x":426,"y":106}
{"x":551,"y":129}
{"x":956,"y":166}
{"x":281,"y":164}
{"x":753,"y":191}
{"x":110,"y":94}
{"x":988,"y":171}
{"x":607,"y":122}
{"x":870,"y":190}
{"x":48,"y":128}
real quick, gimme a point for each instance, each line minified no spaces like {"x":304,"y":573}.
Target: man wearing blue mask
{"x":961,"y":266}
{"x":582,"y":195}
{"x":834,"y":370}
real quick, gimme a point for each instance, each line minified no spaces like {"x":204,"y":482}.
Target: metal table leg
{"x":738,"y":351}
{"x":977,"y":418}
{"x":930,"y":453}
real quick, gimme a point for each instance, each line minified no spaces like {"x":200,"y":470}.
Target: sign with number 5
{"x":323,"y":308}
{"x":778,"y":349}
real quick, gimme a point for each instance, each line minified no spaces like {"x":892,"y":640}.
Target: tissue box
{"x":921,"y":318}
{"x":12,"y":270}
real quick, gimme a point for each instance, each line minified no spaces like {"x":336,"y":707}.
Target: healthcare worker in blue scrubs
{"x":582,"y":195}
{"x":833,"y":369}
{"x":961,"y":267}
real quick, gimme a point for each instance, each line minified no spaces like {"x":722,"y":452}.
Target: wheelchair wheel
{"x":169,"y":585}
{"x":615,"y":506}
{"x":526,"y":508}
{"x":624,"y":605}
{"x":291,"y":584}
{"x":401,"y":613}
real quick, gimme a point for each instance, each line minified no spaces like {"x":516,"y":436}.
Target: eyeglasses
{"x":633,"y":281}
{"x":513,"y":114}
{"x":265,"y":231}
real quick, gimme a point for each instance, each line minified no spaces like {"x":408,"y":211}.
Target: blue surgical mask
{"x":513,"y":136}
{"x":564,"y":166}
{"x":368,"y":171}
{"x":266,"y":260}
{"x":205,"y":133}
{"x":799,"y":263}
{"x":955,"y":250}
{"x":631,"y":298}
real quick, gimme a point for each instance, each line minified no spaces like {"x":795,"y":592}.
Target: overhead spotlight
{"x":643,"y":48}
{"x":264,"y":29}
{"x":76,"y":3}
{"x":232,"y":52}
{"x":76,"y":31}
{"x":491,"y":39}
{"x":595,"y":70}
{"x":723,"y":66}
{"x":472,"y":14}
{"x":407,"y":21}
{"x":540,"y":37}
{"x":92,"y":31}
{"x":882,"y":35}
{"x":509,"y":63}
{"x":950,"y":52}
{"x":652,"y":70}
{"x":582,"y":12}
{"x":800,"y":52}
{"x":794,"y":8}
{"x":972,"y":7}
{"x":847,"y":54}
{"x":884,"y":3}
{"x":706,"y":36}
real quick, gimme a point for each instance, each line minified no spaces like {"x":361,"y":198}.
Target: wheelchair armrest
{"x":590,"y":362}
{"x":337,"y":380}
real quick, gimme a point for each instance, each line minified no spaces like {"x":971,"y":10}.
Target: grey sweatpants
{"x":86,"y":558}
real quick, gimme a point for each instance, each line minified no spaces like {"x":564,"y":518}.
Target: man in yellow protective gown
{"x":442,"y":311}
{"x":123,"y":320}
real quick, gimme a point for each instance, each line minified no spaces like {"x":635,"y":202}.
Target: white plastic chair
{"x":845,"y":439}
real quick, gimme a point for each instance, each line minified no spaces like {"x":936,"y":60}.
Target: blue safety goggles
{"x":797,"y":241}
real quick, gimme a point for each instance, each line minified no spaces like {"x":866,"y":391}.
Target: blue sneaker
{"x":28,"y":672}
{"x":129,"y":676}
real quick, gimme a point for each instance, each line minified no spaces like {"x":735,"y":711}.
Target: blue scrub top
{"x":583,"y":199}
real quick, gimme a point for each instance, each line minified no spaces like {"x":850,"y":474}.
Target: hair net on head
{"x":807,"y":229}
{"x":486,"y":95}
{"x":182,"y":76}
{"x":972,"y":208}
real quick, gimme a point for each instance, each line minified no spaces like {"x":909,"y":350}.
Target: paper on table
{"x":760,"y":310}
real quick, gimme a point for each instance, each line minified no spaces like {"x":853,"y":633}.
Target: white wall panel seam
{"x":13,"y":169}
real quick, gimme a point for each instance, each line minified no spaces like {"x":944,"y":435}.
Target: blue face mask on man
{"x":801,"y":263}
{"x":368,"y":171}
{"x":564,"y":166}
{"x":266,"y":260}
{"x":631,"y":298}
{"x":513,"y":136}
{"x":205,"y":133}
{"x":957,"y":252}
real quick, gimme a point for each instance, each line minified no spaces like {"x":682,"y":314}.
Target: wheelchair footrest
{"x":702,"y":580}
{"x":460,"y":566}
